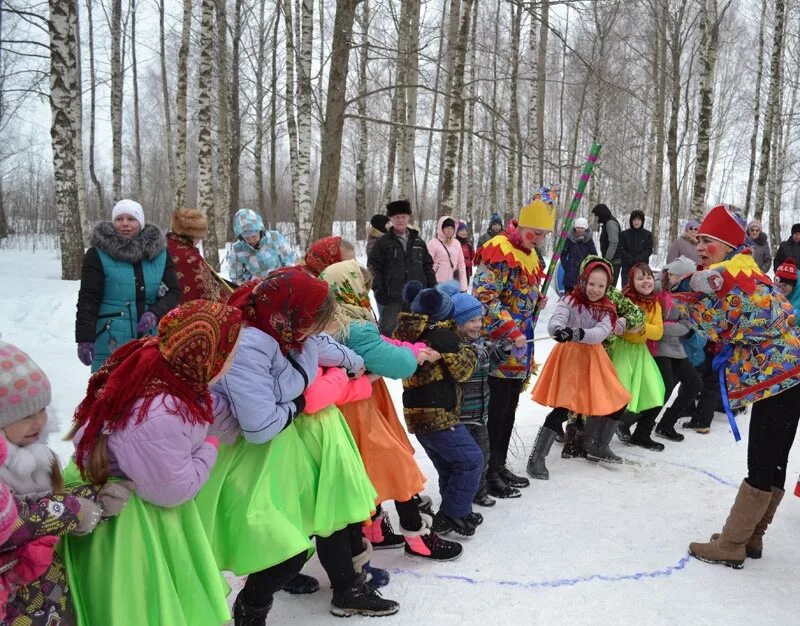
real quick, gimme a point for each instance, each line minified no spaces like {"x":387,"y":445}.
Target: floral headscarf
{"x":351,"y":293}
{"x":282,"y":305}
{"x":323,"y":253}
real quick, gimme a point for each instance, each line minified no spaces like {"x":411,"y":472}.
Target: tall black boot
{"x":644,"y":427}
{"x":247,"y":615}
{"x":536,"y":465}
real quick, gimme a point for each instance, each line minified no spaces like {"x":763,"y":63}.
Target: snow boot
{"x":666,"y":429}
{"x":482,"y":498}
{"x":573,"y":442}
{"x":747,"y":512}
{"x":247,"y":615}
{"x":601,"y":450}
{"x":754,"y":547}
{"x":591,"y":432}
{"x":499,"y":489}
{"x":427,"y":544}
{"x":361,"y":598}
{"x":476,"y":519}
{"x":301,"y":585}
{"x":560,"y":434}
{"x":624,"y":426}
{"x":375,"y":576}
{"x":541,"y":448}
{"x":644,"y":427}
{"x":381,"y":534}
{"x":512,"y":480}
{"x":697,"y":427}
{"x":444,"y":524}
{"x":424,"y":504}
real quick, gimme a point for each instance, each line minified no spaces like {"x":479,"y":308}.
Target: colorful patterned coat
{"x":506,"y":281}
{"x":196,"y":279}
{"x":754,"y":322}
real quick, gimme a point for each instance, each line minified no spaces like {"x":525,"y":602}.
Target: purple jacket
{"x":166,"y":458}
{"x":566,"y":315}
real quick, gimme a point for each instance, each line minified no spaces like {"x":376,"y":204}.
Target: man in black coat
{"x":397,"y":258}
{"x":636,"y":245}
{"x":609,"y":237}
{"x":788,"y":248}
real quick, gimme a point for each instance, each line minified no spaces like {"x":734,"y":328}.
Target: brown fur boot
{"x":729,"y":548}
{"x":755,"y":545}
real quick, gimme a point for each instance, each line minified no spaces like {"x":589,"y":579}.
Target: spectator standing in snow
{"x":577,"y":246}
{"x":759,"y":244}
{"x":685,"y":244}
{"x":636,"y":244}
{"x":128,"y":282}
{"x":789,"y":248}
{"x":495,"y":228}
{"x":447,"y":255}
{"x":256,"y":252}
{"x":377,"y":229}
{"x":610,"y":243}
{"x":462,"y":234}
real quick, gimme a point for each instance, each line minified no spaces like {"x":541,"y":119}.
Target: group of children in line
{"x":244,"y":430}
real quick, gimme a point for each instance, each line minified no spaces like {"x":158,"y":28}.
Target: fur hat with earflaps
{"x":189,"y":222}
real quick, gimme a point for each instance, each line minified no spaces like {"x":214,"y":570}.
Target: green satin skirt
{"x":149,"y":566}
{"x":639,"y":374}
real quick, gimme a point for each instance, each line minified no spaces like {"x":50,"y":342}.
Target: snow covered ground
{"x":594,"y":544}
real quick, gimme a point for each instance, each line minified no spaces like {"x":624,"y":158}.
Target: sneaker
{"x":483,"y":499}
{"x":668,"y":432}
{"x":381,"y":534}
{"x":444,"y":524}
{"x":433,"y":547}
{"x":360,"y":598}
{"x":512,"y":480}
{"x":499,"y":489}
{"x":301,"y":585}
{"x":646,"y":442}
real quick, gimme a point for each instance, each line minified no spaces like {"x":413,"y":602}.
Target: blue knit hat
{"x":437,"y":305}
{"x":466,"y":307}
{"x":495,"y":219}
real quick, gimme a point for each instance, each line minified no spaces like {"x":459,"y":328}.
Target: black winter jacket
{"x":393,"y":266}
{"x":787,"y":249}
{"x":637,"y":243}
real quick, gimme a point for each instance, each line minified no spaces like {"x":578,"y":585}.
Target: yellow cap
{"x":538,"y":214}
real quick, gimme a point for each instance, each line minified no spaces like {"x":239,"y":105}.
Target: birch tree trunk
{"x":117,"y":78}
{"x":222,"y":217}
{"x":205,"y":182}
{"x":472,"y":218}
{"x":772,"y":105}
{"x":258,"y":145}
{"x":493,"y":199}
{"x":291,"y":120}
{"x":98,"y":187}
{"x":541,"y":76}
{"x":782,"y":137}
{"x":456,"y":98}
{"x":304,"y":94}
{"x":756,"y":109}
{"x":181,"y":111}
{"x":407,"y":134}
{"x":363,"y":136}
{"x":64,"y":89}
{"x":166,"y":98}
{"x":77,"y":117}
{"x":273,"y":119}
{"x":137,"y":148}
{"x":424,"y":194}
{"x":513,"y":115}
{"x":236,"y":119}
{"x":675,"y":48}
{"x":331,"y":163}
{"x":454,"y":19}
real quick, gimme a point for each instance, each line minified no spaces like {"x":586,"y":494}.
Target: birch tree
{"x":165,"y":96}
{"x":137,"y":133}
{"x":181,"y":108}
{"x":363,"y":131}
{"x":117,"y":78}
{"x":409,"y":54}
{"x":756,"y":107}
{"x":222,"y":216}
{"x":304,"y":95}
{"x":205,"y":172}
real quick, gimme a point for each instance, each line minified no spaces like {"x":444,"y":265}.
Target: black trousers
{"x":503,"y":403}
{"x":408,"y":512}
{"x":709,"y":394}
{"x":773,"y":425}
{"x":388,"y":321}
{"x":261,"y":586}
{"x":675,"y":371}
{"x":336,"y":554}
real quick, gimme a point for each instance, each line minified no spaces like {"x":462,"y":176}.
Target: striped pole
{"x":586,"y":174}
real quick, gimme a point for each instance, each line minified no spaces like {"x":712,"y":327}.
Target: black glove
{"x":300,"y":403}
{"x":563,"y":335}
{"x":442,"y":340}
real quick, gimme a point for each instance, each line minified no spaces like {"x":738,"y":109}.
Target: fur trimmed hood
{"x":28,"y":471}
{"x":148,"y":244}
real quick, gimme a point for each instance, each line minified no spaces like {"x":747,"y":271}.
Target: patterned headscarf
{"x":350,"y":291}
{"x":195,"y":340}
{"x":647,"y":302}
{"x":282,"y":305}
{"x":603,"y":306}
{"x":323,"y":253}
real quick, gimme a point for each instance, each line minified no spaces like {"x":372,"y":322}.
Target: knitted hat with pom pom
{"x":434,"y":303}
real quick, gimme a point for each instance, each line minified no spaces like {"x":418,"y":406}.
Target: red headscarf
{"x":601,"y":307}
{"x":323,"y":253}
{"x":282,"y":305}
{"x":648,"y":302}
{"x":195,"y":340}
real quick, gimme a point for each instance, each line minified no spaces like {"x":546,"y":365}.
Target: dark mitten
{"x":86,"y":352}
{"x":300,"y":403}
{"x":578,"y":334}
{"x":442,"y":340}
{"x":563,"y":335}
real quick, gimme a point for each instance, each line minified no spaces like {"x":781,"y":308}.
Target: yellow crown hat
{"x":538,"y":214}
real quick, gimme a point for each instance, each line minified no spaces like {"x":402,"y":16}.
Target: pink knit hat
{"x":24,"y":387}
{"x":8,"y":508}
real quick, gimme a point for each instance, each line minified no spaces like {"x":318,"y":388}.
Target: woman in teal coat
{"x":128,"y":283}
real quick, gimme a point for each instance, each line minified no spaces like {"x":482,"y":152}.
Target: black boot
{"x":624,"y":427}
{"x":573,"y":443}
{"x":360,"y":598}
{"x":666,"y":429}
{"x":512,"y":480}
{"x":641,"y":436}
{"x":560,"y":434}
{"x":602,"y":451}
{"x":444,"y":524}
{"x":498,"y":487}
{"x":476,"y":519}
{"x":301,"y":585}
{"x":482,"y":499}
{"x":247,"y":615}
{"x":536,"y":465}
{"x":591,"y":432}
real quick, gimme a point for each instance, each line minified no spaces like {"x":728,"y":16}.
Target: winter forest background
{"x":315,"y":111}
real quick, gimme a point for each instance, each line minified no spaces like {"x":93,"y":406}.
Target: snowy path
{"x":592,"y":545}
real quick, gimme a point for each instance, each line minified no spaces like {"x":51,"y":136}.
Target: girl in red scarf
{"x":145,"y":418}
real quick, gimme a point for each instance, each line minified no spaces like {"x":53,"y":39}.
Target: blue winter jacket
{"x":576,"y":249}
{"x":272,"y":251}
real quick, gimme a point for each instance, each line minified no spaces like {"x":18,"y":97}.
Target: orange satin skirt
{"x":385,"y":449}
{"x":580,"y":377}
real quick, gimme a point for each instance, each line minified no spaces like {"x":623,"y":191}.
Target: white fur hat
{"x":129,"y":207}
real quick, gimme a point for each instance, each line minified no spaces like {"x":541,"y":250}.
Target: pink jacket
{"x":447,"y":256}
{"x":333,"y":386}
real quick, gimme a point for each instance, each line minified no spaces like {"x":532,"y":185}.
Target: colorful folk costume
{"x":734,"y":303}
{"x":145,"y":417}
{"x":578,"y":376}
{"x":506,"y":281}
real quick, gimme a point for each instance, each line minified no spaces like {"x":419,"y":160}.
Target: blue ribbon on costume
{"x":720,"y":364}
